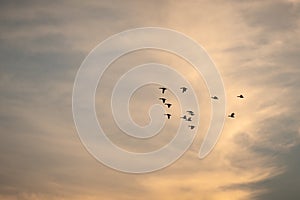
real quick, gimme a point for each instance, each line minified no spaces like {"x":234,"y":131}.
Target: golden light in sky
{"x":255,"y":47}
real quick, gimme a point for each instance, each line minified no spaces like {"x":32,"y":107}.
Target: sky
{"x":255,"y":45}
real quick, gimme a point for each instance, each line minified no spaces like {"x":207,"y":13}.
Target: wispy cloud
{"x":254,"y":44}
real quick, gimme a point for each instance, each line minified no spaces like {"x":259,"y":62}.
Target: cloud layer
{"x":256,"y":47}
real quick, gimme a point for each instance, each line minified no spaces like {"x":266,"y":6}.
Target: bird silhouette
{"x":215,"y":97}
{"x":184,"y":89}
{"x":189,"y":119}
{"x":231,"y":115}
{"x":163,"y":99}
{"x":240,"y":96}
{"x":192,"y":127}
{"x":168,"y":104}
{"x":163,"y":89}
{"x":184,"y":117}
{"x":168,"y":115}
{"x":190,"y":112}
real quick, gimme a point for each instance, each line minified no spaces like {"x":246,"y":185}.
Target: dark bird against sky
{"x":163,"y":99}
{"x":189,"y":119}
{"x":190,"y":112}
{"x":168,"y":104}
{"x":232,"y":115}
{"x":192,"y":127}
{"x":168,"y":115}
{"x":163,"y":89}
{"x":184,"y":89}
{"x":184,"y":117}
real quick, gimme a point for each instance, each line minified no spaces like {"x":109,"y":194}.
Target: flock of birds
{"x":190,"y":113}
{"x":187,"y":117}
{"x":232,"y":115}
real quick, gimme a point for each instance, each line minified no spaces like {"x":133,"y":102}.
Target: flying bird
{"x":184,"y":117}
{"x":215,"y":97}
{"x":190,"y":112}
{"x":192,"y":127}
{"x":184,"y":89}
{"x":163,"y":89}
{"x":189,"y":119}
{"x":240,"y":96}
{"x":168,"y":104}
{"x":231,"y":115}
{"x":168,"y":115}
{"x":163,"y":99}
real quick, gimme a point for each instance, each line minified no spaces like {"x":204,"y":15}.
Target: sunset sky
{"x":255,"y":45}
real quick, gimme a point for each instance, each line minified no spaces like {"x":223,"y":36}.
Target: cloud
{"x":262,"y":15}
{"x":255,"y":46}
{"x":271,"y":144}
